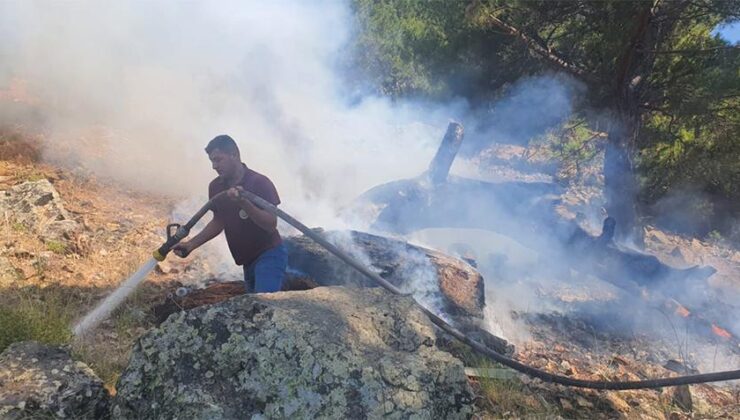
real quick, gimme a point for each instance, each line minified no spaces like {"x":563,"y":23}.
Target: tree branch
{"x":626,"y":61}
{"x":706,"y":98}
{"x":538,"y":48}
{"x":658,"y":109}
{"x":692,"y":51}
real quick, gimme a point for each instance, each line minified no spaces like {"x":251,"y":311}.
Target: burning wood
{"x":455,"y":285}
{"x":700,"y":323}
{"x":682,"y":312}
{"x":676,"y":308}
{"x":629,"y":269}
{"x":440,"y":166}
{"x":721,"y":332}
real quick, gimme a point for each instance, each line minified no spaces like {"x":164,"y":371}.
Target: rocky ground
{"x":61,"y":277}
{"x":45,"y":381}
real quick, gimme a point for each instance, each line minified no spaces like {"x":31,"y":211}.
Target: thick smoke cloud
{"x":135,"y":90}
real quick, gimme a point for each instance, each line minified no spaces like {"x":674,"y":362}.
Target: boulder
{"x":329,"y":352}
{"x":36,"y":205}
{"x":438,"y":281}
{"x":40,"y":381}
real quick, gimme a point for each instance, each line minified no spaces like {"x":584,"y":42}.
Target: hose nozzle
{"x":158,"y":255}
{"x":175,"y":234}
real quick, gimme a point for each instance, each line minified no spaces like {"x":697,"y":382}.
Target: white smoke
{"x":134,"y":91}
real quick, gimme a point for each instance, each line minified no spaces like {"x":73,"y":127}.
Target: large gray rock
{"x":40,"y":382}
{"x":330,"y":352}
{"x":37,"y":206}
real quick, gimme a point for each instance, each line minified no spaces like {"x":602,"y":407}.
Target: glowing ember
{"x":682,"y":311}
{"x":721,"y":332}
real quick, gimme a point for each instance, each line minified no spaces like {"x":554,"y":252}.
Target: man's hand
{"x":262,"y":218}
{"x":234,"y":194}
{"x":183,"y":249}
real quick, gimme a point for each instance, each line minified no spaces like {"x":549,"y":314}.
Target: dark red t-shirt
{"x":246,"y":240}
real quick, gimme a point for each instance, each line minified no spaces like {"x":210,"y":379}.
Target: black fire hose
{"x":180,"y":232}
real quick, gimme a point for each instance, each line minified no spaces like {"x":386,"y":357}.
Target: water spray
{"x":175,"y":233}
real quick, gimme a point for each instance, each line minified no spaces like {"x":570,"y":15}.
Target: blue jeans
{"x":267,"y":272}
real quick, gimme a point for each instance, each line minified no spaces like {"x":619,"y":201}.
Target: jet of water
{"x":111,"y":302}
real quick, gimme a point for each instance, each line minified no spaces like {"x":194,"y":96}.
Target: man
{"x":250,"y":231}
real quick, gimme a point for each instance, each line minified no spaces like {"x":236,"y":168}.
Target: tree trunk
{"x":632,"y":73}
{"x":620,"y":186}
{"x":442,"y":162}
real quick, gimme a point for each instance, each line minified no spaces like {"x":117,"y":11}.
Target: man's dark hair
{"x":223,"y":143}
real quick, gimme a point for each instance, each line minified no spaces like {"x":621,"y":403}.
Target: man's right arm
{"x":212,"y":229}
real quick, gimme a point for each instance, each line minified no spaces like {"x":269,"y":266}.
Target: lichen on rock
{"x":331,"y":352}
{"x":37,"y":206}
{"x":41,"y":381}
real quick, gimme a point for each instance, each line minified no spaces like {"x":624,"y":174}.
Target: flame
{"x":682,"y":311}
{"x":721,"y":332}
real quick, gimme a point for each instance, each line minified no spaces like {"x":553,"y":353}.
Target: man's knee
{"x":269,"y":279}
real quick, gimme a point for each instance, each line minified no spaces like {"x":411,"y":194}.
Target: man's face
{"x":223,"y":163}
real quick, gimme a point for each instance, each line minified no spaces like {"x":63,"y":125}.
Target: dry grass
{"x":39,"y":315}
{"x":17,"y":146}
{"x":46,"y":315}
{"x":509,"y":398}
{"x":502,"y":398}
{"x":107,"y":349}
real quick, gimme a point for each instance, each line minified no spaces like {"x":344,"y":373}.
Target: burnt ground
{"x":577,"y":325}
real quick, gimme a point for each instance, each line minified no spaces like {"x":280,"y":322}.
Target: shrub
{"x":56,"y":247}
